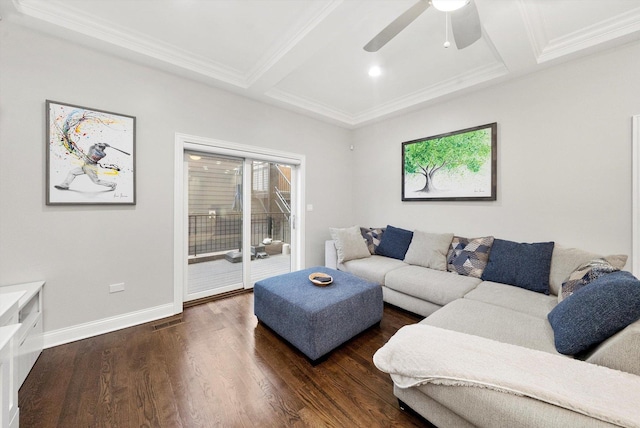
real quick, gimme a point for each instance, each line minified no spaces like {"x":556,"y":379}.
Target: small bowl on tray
{"x":320,"y":279}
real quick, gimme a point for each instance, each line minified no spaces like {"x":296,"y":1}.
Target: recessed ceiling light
{"x":375,"y":71}
{"x":195,"y":157}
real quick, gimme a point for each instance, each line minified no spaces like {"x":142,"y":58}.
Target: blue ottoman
{"x":315,"y":319}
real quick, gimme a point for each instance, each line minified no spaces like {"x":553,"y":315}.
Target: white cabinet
{"x":29,"y":339}
{"x":9,"y":327}
{"x":9,"y":303}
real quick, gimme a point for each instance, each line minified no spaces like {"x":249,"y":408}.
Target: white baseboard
{"x":106,"y":325}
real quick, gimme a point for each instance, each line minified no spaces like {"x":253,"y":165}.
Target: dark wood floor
{"x":217,"y":368}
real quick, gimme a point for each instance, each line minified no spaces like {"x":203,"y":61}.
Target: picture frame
{"x":91,"y":156}
{"x":456,"y":166}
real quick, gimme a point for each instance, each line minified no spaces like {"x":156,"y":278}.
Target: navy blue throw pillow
{"x":595,"y":312}
{"x":523,"y":265}
{"x":395,"y":242}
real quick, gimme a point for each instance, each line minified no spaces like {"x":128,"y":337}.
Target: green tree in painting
{"x":469,"y":149}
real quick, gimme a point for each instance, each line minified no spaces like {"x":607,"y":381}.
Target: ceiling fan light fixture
{"x":449,"y":5}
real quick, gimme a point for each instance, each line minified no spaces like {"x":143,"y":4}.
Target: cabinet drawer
{"x":31,"y":307}
{"x":29,"y":350}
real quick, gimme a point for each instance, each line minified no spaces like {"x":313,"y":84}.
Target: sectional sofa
{"x":515,"y":334}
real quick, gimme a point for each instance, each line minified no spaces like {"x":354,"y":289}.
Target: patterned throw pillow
{"x":469,"y":256}
{"x":584,"y":275}
{"x":372,"y":236}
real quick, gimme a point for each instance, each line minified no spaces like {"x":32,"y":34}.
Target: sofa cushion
{"x":565,"y":260}
{"x":469,"y":256}
{"x":434,"y":286}
{"x":409,"y":303}
{"x":619,"y":352}
{"x":595,"y":312}
{"x":494,"y":322}
{"x":349,"y":243}
{"x":520,"y":264}
{"x":429,"y":250}
{"x":372,"y":236}
{"x":373,"y":268}
{"x":535,"y":304}
{"x":394,"y":243}
{"x":584,"y":275}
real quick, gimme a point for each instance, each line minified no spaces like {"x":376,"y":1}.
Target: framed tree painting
{"x":90,"y":156}
{"x":457,"y":166}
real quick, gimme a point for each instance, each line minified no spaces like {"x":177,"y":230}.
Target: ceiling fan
{"x":465,"y":22}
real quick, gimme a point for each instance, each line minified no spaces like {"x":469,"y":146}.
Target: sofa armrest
{"x":462,"y":360}
{"x":330,"y":254}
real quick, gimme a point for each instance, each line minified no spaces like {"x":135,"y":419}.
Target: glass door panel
{"x":215,"y":214}
{"x":270,"y":219}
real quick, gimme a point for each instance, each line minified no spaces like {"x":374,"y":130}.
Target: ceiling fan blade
{"x":465,"y":25}
{"x":399,"y":24}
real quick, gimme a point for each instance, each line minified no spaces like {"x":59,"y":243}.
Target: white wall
{"x":564,"y":167}
{"x":564,"y":157}
{"x":79,"y":250}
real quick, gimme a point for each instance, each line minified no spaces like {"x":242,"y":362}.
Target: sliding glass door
{"x":239,"y":229}
{"x":214,"y":224}
{"x":271,"y":219}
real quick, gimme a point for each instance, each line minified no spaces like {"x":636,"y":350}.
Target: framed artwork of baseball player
{"x":90,"y":156}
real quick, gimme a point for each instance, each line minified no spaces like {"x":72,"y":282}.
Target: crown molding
{"x":547,"y":49}
{"x":450,"y":86}
{"x":76,"y":20}
{"x":604,"y":31}
{"x":267,"y":61}
{"x":261,"y":80}
{"x":310,"y":105}
{"x":454,"y":84}
{"x":534,"y":26}
{"x":90,"y":25}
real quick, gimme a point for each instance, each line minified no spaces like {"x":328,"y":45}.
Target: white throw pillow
{"x":350,"y":244}
{"x":429,"y":250}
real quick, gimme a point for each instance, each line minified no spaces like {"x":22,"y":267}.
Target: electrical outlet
{"x":114,"y":288}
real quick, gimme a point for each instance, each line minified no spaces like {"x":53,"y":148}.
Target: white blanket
{"x":420,"y":354}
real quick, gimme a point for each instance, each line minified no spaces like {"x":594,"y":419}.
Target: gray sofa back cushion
{"x":565,"y":260}
{"x":349,"y":243}
{"x":429,"y":250}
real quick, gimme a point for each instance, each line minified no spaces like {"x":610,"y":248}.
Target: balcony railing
{"x":220,"y":233}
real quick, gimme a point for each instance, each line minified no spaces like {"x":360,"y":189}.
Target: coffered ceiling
{"x":307,"y":56}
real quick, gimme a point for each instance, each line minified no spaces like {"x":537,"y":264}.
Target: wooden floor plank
{"x":52,"y":374}
{"x":217,"y":368}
